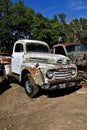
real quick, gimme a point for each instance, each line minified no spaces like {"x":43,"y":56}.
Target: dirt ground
{"x":56,"y":110}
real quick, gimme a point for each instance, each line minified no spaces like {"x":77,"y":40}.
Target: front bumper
{"x":55,"y":82}
{"x":62,"y":83}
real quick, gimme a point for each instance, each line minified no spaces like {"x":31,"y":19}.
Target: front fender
{"x":35,"y":72}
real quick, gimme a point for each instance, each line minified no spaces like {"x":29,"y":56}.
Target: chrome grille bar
{"x":62,"y":73}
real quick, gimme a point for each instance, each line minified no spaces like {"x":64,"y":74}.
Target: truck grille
{"x":63,"y":73}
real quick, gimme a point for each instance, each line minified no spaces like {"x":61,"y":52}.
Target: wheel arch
{"x":35,"y":73}
{"x":24,"y":72}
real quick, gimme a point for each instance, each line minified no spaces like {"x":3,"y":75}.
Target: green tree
{"x":59,"y":25}
{"x":83,"y":23}
{"x":5,"y":31}
{"x":75,"y":29}
{"x":21,"y":21}
{"x":62,"y":18}
{"x":42,"y":29}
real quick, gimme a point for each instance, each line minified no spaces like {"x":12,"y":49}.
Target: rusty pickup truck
{"x":35,"y":67}
{"x":75,"y":51}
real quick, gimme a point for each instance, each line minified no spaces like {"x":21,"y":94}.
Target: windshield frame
{"x":37,"y":47}
{"x":75,"y":47}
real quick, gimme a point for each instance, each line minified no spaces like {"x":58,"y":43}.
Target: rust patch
{"x":5,"y":60}
{"x":33,"y":70}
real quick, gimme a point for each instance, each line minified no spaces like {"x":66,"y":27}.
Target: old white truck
{"x":35,"y":67}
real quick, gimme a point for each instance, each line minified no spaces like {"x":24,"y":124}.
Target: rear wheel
{"x":30,"y":87}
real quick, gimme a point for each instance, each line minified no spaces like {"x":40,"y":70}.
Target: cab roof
{"x":66,"y":44}
{"x":30,"y":41}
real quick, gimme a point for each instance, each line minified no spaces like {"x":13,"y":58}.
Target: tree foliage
{"x":19,"y":21}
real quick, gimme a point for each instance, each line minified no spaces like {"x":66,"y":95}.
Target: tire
{"x":30,"y":87}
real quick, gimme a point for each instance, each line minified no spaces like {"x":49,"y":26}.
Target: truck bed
{"x":5,"y":66}
{"x":5,"y":58}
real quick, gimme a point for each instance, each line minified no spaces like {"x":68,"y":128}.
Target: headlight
{"x":69,"y":61}
{"x":73,"y":71}
{"x":49,"y":74}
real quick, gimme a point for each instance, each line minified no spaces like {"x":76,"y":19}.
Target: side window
{"x":59,"y":50}
{"x":19,"y":47}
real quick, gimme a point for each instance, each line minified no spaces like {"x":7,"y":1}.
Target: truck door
{"x":17,"y":58}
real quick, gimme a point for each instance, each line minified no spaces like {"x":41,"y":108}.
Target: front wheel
{"x":30,"y":87}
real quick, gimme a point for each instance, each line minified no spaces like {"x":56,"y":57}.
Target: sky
{"x":49,"y":8}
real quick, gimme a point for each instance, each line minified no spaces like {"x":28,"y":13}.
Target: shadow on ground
{"x":6,"y":84}
{"x":49,"y":93}
{"x":4,"y":87}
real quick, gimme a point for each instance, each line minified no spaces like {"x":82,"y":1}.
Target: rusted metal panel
{"x":5,"y":60}
{"x":5,"y":67}
{"x":35,"y":72}
{"x":32,"y":69}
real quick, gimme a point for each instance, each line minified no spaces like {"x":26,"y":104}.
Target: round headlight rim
{"x":73,"y":71}
{"x":49,"y":74}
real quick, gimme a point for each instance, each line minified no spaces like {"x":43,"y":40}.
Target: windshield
{"x":75,"y":47}
{"x":37,"y":47}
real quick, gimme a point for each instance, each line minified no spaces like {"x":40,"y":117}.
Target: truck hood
{"x":78,"y":54}
{"x":47,"y":58}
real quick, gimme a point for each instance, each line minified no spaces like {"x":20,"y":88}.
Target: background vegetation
{"x":19,"y":21}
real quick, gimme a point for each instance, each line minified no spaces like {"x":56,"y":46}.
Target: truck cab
{"x":22,"y":48}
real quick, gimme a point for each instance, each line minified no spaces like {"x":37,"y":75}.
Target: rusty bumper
{"x":63,"y":83}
